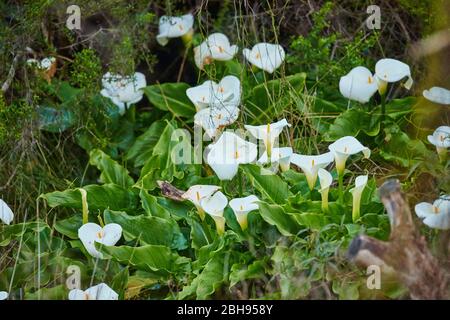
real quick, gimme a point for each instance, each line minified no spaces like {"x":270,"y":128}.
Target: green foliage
{"x":13,"y":119}
{"x":86,"y":70}
{"x":320,"y":54}
{"x":292,"y":248}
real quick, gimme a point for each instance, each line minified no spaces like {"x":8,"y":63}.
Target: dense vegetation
{"x":71,"y":154}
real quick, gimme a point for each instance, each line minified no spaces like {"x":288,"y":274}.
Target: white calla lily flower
{"x":360,"y":184}
{"x":215,"y":47}
{"x":392,"y":70}
{"x":197,"y":193}
{"x":4,"y":295}
{"x":123,"y":90}
{"x":265,"y":56}
{"x":201,"y":95}
{"x":99,"y":292}
{"x":436,"y":215}
{"x":345,"y":147}
{"x":441,"y":140}
{"x":359,"y":85}
{"x":45,"y":64}
{"x":268,"y":133}
{"x":6,"y":214}
{"x":230,"y":150}
{"x":226,"y":93}
{"x":282,"y":156}
{"x":213,"y":120}
{"x":174,"y":27}
{"x":325,"y":179}
{"x":440,"y":137}
{"x":437,"y":95}
{"x":310,"y":165}
{"x":90,"y":233}
{"x":242,"y":206}
{"x":214,"y":207}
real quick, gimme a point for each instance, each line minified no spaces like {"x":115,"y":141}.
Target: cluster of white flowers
{"x":208,"y":199}
{"x":217,"y":46}
{"x":360,"y":84}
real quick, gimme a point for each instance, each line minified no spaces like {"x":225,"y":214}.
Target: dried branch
{"x":11,"y":73}
{"x":406,"y":253}
{"x":169,"y":191}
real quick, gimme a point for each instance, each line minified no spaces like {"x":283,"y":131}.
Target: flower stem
{"x":241,"y":188}
{"x":383,"y":112}
{"x":341,"y":186}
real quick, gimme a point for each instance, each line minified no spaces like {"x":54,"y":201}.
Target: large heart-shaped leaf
{"x":171,"y":97}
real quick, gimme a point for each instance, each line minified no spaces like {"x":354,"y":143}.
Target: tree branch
{"x":406,"y":253}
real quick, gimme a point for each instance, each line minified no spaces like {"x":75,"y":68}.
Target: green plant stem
{"x":341,"y":187}
{"x":383,"y":112}
{"x":241,"y":188}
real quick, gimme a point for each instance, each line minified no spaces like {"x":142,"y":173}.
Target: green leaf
{"x":276,"y":216}
{"x":314,"y":221}
{"x":142,"y":149}
{"x":99,"y":197}
{"x":171,"y":97}
{"x":15,"y":231}
{"x":148,"y":230}
{"x":55,"y":119}
{"x":398,"y":108}
{"x":59,"y":292}
{"x":206,"y":283}
{"x":161,"y":166}
{"x":159,"y":260}
{"x":271,"y":186}
{"x":120,"y":281}
{"x":242,"y":272}
{"x":111,"y":171}
{"x":401,"y":149}
{"x":69,"y":227}
{"x":351,"y":122}
{"x":151,"y":205}
{"x":264,"y":94}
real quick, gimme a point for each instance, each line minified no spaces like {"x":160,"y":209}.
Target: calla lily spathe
{"x":90,"y":233}
{"x":242,"y":206}
{"x":6,"y":214}
{"x":123,"y":90}
{"x":213,"y":120}
{"x":214,"y":207}
{"x":360,"y":184}
{"x":437,"y":95}
{"x":282,"y":156}
{"x":174,"y":27}
{"x":436,"y":215}
{"x":310,"y":165}
{"x":4,"y":295}
{"x":268,"y":133}
{"x":359,"y":85}
{"x":215,"y":47}
{"x":99,"y":292}
{"x":345,"y":147}
{"x":197,"y":193}
{"x":265,"y":56}
{"x":45,"y":64}
{"x":226,"y":93}
{"x":230,"y":150}
{"x":392,"y":70}
{"x":441,"y":140}
{"x":440,"y":137}
{"x":325,"y":179}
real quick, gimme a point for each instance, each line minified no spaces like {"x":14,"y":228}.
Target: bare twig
{"x":11,"y":73}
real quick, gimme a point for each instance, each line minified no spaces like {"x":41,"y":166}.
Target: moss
{"x":86,"y":70}
{"x":12,"y":120}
